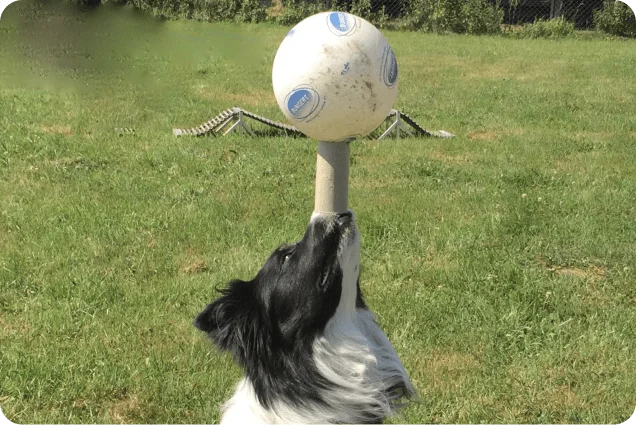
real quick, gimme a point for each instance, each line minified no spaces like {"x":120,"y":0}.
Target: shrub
{"x":482,"y":17}
{"x":418,"y":15}
{"x":295,"y":11}
{"x":616,"y":18}
{"x":226,"y":10}
{"x":87,"y":3}
{"x":291,"y":12}
{"x":448,"y":16}
{"x":250,"y":11}
{"x":554,"y":28}
{"x":205,"y":10}
{"x":459,"y":16}
{"x":363,"y":9}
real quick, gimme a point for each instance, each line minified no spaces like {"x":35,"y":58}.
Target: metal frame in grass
{"x":234,"y":119}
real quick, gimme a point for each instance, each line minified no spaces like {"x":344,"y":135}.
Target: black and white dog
{"x":311,"y":350}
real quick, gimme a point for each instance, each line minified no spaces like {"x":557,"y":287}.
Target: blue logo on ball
{"x":302,"y":102}
{"x":390,"y":67}
{"x":341,"y":23}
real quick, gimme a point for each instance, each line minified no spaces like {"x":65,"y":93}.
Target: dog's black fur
{"x":269,"y":323}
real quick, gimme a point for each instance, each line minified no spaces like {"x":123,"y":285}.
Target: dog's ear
{"x":229,"y":320}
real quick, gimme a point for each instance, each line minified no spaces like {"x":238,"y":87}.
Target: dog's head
{"x":292,"y":298}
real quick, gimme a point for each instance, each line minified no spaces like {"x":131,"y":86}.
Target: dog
{"x":311,"y":350}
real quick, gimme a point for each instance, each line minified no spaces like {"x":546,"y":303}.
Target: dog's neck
{"x":349,"y":260}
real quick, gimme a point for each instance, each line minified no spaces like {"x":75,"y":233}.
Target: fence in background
{"x":517,"y":12}
{"x":581,"y":12}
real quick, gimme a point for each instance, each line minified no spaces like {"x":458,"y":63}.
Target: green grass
{"x":501,"y":263}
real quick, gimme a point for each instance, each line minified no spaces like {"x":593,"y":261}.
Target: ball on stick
{"x":335,"y":77}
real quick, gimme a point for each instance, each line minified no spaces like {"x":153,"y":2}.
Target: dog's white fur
{"x":353,"y":353}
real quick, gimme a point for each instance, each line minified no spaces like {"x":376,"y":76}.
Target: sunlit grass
{"x":501,"y":262}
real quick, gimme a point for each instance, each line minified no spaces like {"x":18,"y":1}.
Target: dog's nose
{"x":344,"y":219}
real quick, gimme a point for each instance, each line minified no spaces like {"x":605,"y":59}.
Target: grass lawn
{"x":501,"y":263}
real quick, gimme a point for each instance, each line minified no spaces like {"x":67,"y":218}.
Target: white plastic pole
{"x":332,"y":177}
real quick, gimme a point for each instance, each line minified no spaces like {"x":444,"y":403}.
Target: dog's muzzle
{"x":344,"y":220}
{"x":347,"y":227}
{"x":341,"y":223}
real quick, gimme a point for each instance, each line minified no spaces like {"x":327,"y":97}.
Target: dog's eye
{"x":288,"y":253}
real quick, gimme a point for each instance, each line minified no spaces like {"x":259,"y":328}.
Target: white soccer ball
{"x":335,"y":77}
